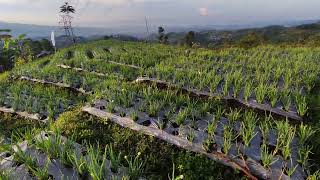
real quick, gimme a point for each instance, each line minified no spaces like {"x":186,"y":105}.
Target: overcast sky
{"x":106,"y":13}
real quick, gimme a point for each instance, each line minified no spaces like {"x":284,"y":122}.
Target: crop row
{"x":280,"y":78}
{"x":86,"y":81}
{"x":281,"y":83}
{"x":212,"y":125}
{"x":32,"y":98}
{"x":132,"y":53}
{"x":102,"y":66}
{"x":223,"y":137}
{"x":50,"y":155}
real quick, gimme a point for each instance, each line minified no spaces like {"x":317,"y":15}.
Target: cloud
{"x":101,"y":2}
{"x":204,"y":11}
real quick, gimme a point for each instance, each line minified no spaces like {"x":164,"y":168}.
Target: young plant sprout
{"x":153,"y":109}
{"x":304,"y":153}
{"x":215,"y":81}
{"x":111,"y":107}
{"x":226,"y":86}
{"x":301,"y":104}
{"x":238,"y":81}
{"x":135,"y":166}
{"x":234,"y":115}
{"x":266,"y":157}
{"x":208,"y":143}
{"x":286,"y":100}
{"x":286,"y":150}
{"x":78,"y":162}
{"x":304,"y":133}
{"x":191,"y":136}
{"x":134,"y":116}
{"x":227,"y":139}
{"x":290,"y":171}
{"x":212,"y":127}
{"x":273,"y":95}
{"x":284,"y":139}
{"x":114,"y":158}
{"x":219,"y":113}
{"x":247,"y":131}
{"x":260,"y":92}
{"x":265,"y":127}
{"x":96,"y":163}
{"x":247,"y":90}
{"x":182,"y":116}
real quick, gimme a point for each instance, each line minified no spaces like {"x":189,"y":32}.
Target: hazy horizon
{"x":115,"y":13}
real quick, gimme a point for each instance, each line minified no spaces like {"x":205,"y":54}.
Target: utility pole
{"x":147,"y":27}
{"x":66,"y":20}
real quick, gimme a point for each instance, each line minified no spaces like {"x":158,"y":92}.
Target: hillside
{"x":170,"y":111}
{"x":299,"y":34}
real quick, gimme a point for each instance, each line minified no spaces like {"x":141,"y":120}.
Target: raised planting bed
{"x":79,"y":81}
{"x":36,"y":101}
{"x":52,"y":156}
{"x":127,"y":65}
{"x":58,"y":84}
{"x":280,"y":78}
{"x":87,"y":71}
{"x":260,"y":158}
{"x":136,"y":54}
{"x":171,"y":110}
{"x":103,"y":66}
{"x":203,"y":94}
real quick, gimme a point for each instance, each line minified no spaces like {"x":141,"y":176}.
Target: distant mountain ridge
{"x":306,"y":33}
{"x":37,"y":31}
{"x":40,"y":31}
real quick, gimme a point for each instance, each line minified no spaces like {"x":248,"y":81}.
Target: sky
{"x":106,"y":13}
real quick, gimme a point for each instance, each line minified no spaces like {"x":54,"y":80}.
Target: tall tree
{"x":163,"y":37}
{"x":66,"y":20}
{"x":189,"y":38}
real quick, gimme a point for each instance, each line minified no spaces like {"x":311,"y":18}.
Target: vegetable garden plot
{"x":272,"y":167}
{"x":278,"y":80}
{"x":208,"y":95}
{"x":81,"y":70}
{"x":136,"y":54}
{"x":79,"y":81}
{"x":25,"y":98}
{"x":51,"y":156}
{"x":169,"y":115}
{"x":61,"y":85}
{"x":104,"y":67}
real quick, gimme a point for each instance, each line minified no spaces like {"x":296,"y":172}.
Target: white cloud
{"x":104,"y":2}
{"x":204,"y":11}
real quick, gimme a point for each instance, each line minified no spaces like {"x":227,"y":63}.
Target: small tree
{"x":251,"y":40}
{"x":12,"y":51}
{"x":66,"y":20}
{"x":163,"y":38}
{"x":189,"y":38}
{"x":46,"y":45}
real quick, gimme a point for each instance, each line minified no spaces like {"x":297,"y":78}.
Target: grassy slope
{"x":85,"y":128}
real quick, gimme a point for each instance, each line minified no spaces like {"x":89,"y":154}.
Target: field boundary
{"x":23,"y":114}
{"x":81,"y":70}
{"x":207,"y":95}
{"x":127,"y":65}
{"x":61,"y":85}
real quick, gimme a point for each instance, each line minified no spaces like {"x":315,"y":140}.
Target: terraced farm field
{"x":112,"y":110}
